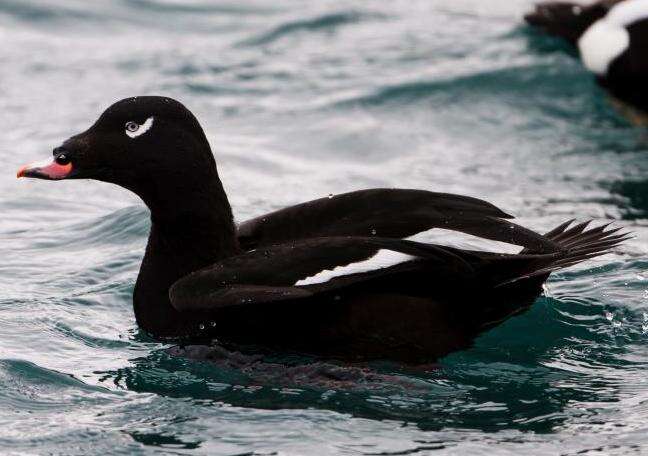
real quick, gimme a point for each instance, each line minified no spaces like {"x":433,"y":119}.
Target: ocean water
{"x":299,"y":100}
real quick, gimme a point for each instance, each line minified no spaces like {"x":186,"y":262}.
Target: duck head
{"x":151,"y":145}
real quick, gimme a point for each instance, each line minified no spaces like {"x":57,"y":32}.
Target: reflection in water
{"x":527,"y":386}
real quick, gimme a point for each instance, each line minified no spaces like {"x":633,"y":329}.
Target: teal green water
{"x":299,"y":100}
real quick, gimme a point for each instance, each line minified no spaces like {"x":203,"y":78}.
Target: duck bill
{"x":48,"y":169}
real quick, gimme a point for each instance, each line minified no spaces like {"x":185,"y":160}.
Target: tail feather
{"x":587,"y":246}
{"x":566,"y":236}
{"x":577,"y":244}
{"x":591,"y":235}
{"x":559,"y":229}
{"x":580,"y":240}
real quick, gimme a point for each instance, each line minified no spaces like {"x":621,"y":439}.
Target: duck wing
{"x":388,"y":213}
{"x":308,"y":267}
{"x":302,"y":268}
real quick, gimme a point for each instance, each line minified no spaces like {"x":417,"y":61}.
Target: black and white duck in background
{"x":331,"y":277}
{"x":612,"y":39}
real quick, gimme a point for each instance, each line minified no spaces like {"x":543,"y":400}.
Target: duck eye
{"x":132,"y":126}
{"x":133,"y":129}
{"x":62,"y":159}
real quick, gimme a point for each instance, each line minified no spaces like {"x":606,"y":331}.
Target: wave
{"x":537,"y":80}
{"x":30,"y":11}
{"x":117,"y":228}
{"x":27,"y":386}
{"x":202,"y":7}
{"x":326,"y":22}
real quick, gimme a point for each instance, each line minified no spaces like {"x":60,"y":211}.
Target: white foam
{"x":382,"y":259}
{"x":608,"y":38}
{"x":146,"y":126}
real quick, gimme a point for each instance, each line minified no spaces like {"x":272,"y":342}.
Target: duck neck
{"x":191,"y":228}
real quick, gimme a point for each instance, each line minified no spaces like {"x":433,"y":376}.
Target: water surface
{"x":299,"y":100}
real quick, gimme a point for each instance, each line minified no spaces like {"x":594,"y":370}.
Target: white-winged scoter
{"x":331,"y":277}
{"x":612,"y":38}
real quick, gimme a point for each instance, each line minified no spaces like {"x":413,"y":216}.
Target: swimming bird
{"x":612,"y":39}
{"x":333,"y":277}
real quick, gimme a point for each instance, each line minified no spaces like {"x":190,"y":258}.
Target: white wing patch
{"x":608,"y":38}
{"x":382,"y":259}
{"x":146,"y":126}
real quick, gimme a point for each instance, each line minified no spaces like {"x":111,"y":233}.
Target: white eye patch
{"x":608,"y":38}
{"x":133,"y":129}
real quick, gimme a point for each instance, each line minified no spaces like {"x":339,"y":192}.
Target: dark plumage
{"x":612,"y":38}
{"x":263,"y":284}
{"x":568,"y":20}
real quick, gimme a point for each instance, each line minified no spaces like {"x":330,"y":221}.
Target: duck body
{"x":391,"y":317}
{"x":434,"y":300}
{"x":334,"y":277}
{"x":612,"y":40}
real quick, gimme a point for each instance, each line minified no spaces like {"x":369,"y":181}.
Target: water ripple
{"x":325,"y":23}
